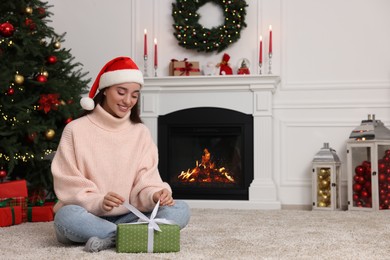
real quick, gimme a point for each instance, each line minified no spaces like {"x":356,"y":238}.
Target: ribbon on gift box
{"x":187,"y":67}
{"x":152,"y":222}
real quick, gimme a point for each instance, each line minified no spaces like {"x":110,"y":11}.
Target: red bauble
{"x":381,"y":167}
{"x":68,"y":120}
{"x":364,"y":194}
{"x":31,"y":137}
{"x":357,"y":187}
{"x":387,"y":152}
{"x":382,"y":177}
{"x":355,"y":197}
{"x":30,"y":23}
{"x":11,"y":91}
{"x":366,"y":164}
{"x":41,"y":78}
{"x":41,"y":12}
{"x":359,"y":170}
{"x":51,"y":59}
{"x":6,"y":29}
{"x":3,"y":173}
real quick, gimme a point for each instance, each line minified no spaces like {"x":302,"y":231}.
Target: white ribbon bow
{"x":152,"y":222}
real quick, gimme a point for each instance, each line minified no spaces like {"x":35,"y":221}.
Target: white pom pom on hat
{"x":116,"y":71}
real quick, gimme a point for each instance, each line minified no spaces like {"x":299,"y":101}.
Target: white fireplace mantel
{"x":250,"y":94}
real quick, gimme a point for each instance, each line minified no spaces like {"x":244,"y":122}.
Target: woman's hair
{"x":99,"y":99}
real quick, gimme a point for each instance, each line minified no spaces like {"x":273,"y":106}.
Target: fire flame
{"x":206,"y":171}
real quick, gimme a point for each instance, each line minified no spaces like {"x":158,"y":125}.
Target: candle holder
{"x":260,"y":64}
{"x":155,"y":70}
{"x":145,"y":65}
{"x":270,"y":63}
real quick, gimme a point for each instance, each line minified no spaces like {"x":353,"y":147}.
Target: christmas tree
{"x":40,"y":88}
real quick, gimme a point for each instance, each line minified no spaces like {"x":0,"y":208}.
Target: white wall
{"x":333,"y":57}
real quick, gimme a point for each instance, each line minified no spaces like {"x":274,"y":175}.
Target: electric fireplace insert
{"x":206,"y":153}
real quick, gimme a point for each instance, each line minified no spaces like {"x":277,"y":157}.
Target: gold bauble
{"x":49,"y":134}
{"x":19,"y":79}
{"x":45,"y":73}
{"x":57,"y":45}
{"x":29,"y":10}
{"x":62,"y":102}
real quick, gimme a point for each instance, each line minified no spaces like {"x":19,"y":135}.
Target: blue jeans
{"x":74,"y":224}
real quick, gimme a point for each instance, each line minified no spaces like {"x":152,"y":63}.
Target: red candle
{"x":270,"y":39}
{"x":261,"y":50}
{"x":145,"y":43}
{"x":155,"y":52}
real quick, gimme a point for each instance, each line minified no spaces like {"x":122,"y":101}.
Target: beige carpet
{"x":234,"y":234}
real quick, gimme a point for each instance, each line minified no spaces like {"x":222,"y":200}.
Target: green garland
{"x":192,"y":35}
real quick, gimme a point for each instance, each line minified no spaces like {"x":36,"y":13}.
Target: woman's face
{"x":121,"y":98}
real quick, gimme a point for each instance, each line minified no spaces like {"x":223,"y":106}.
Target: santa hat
{"x":116,"y":71}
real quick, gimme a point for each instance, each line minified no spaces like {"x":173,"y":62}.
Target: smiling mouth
{"x":123,"y":108}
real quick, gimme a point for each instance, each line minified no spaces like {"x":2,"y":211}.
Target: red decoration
{"x":359,"y":170}
{"x":3,"y":174}
{"x":155,"y":52}
{"x":51,"y":59}
{"x":41,"y":78}
{"x":30,"y":24}
{"x":31,"y":137}
{"x":68,"y":120}
{"x":11,"y":91}
{"x":261,"y":50}
{"x":145,"y":43}
{"x":41,"y":12}
{"x":6,"y":29}
{"x":48,"y":102}
{"x":225,"y":69}
{"x":270,"y":39}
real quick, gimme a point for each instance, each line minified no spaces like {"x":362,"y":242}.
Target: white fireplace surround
{"x":249,"y":94}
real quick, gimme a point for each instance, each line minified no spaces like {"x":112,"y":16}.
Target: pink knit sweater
{"x":99,"y":153}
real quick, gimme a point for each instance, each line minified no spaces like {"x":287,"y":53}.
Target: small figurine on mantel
{"x":243,"y":69}
{"x":224,"y":67}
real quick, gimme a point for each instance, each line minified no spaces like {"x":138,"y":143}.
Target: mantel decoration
{"x":192,"y":35}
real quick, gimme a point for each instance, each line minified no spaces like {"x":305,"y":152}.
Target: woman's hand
{"x":112,"y":200}
{"x":165,"y":198}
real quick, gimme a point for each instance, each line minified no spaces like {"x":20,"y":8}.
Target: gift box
{"x":16,"y":201}
{"x":10,"y":216}
{"x":13,"y":189}
{"x":133,"y":238}
{"x":42,"y":213}
{"x":184,"y":68}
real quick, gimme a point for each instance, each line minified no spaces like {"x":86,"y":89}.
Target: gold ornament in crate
{"x":326,"y":179}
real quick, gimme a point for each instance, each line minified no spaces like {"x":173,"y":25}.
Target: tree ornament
{"x":41,"y":12}
{"x":3,"y":174}
{"x":51,"y":59}
{"x":31,"y":137}
{"x":43,"y":41}
{"x":6,"y":29}
{"x":19,"y":79}
{"x":49,"y":134}
{"x":192,"y":35}
{"x":28,"y":10}
{"x":30,"y":24}
{"x":41,"y":78}
{"x":68,"y":120}
{"x":57,"y":45}
{"x":11,"y":91}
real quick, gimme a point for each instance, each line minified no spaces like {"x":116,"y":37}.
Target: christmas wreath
{"x":192,"y":35}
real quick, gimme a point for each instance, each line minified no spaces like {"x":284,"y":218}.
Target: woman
{"x":105,"y":158}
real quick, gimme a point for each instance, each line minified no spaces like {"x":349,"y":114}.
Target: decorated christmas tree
{"x":40,"y":88}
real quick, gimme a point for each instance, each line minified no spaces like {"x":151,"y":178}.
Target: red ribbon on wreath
{"x":187,"y":67}
{"x":48,"y":102}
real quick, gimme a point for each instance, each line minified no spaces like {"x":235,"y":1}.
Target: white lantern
{"x":326,"y":180}
{"x":368,"y":158}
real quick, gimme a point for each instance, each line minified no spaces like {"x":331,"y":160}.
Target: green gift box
{"x":133,"y":238}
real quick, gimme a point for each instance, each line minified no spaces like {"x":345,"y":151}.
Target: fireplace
{"x":251,"y":95}
{"x":206,"y":153}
